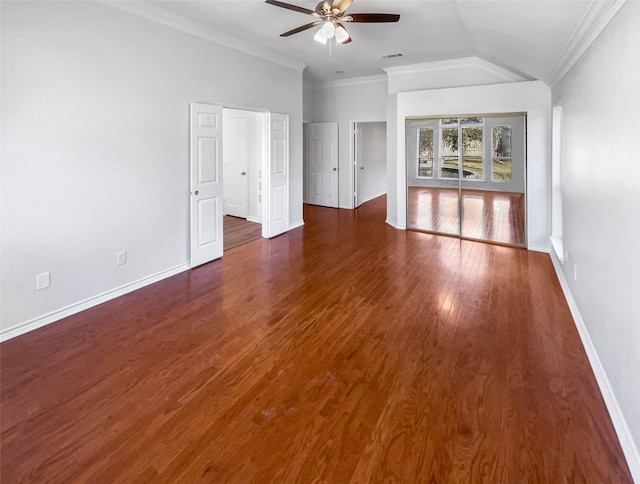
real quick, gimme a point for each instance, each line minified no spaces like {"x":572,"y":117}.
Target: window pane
{"x":473,"y":120}
{"x":425,"y":152}
{"x":501,"y":153}
{"x":472,"y":168}
{"x":449,"y":145}
{"x":426,"y":143}
{"x":502,"y":168}
{"x":425,"y":167}
{"x":472,"y":151}
{"x":449,"y":167}
{"x":449,"y":121}
{"x":449,"y":151}
{"x":502,"y":141}
{"x":472,"y":141}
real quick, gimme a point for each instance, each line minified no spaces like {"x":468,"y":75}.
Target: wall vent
{"x":391,"y":56}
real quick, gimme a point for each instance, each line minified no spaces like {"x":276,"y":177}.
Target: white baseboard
{"x":558,"y":248}
{"x":368,"y":199}
{"x":395,"y":225}
{"x":297,"y":224}
{"x":255,"y":220}
{"x":539,"y":248}
{"x":629,"y":447}
{"x":58,"y":314}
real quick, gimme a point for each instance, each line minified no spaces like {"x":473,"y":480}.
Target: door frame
{"x":266,"y":165}
{"x":353,"y":172}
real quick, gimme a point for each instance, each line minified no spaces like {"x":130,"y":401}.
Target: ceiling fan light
{"x":320,"y":37}
{"x":341,"y":34}
{"x":328,"y":29}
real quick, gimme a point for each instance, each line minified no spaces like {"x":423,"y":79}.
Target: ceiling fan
{"x":331,"y":16}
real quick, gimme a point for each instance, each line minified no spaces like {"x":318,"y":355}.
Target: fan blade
{"x":300,"y":29}
{"x":341,"y":5}
{"x":288,"y":6}
{"x":371,"y":17}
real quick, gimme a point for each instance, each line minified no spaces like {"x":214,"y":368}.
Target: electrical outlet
{"x":121,"y":258}
{"x":43,"y":280}
{"x":575,"y":272}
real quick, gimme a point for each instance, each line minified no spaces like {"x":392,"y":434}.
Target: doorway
{"x":206,"y":142}
{"x":466,"y":177}
{"x":243,"y":153}
{"x":369,"y":161}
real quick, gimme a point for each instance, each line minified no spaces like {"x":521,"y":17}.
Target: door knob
{"x":196,"y":192}
{"x":243,"y":172}
{"x":335,"y":169}
{"x":362,"y":167}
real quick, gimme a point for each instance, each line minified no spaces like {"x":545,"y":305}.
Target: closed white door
{"x":322,"y":164}
{"x":206,"y":183}
{"x":276,"y":203}
{"x":236,"y":144}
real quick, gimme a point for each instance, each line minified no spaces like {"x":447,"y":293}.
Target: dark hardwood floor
{"x":238,"y":231}
{"x":486,"y":215}
{"x":343,"y":351}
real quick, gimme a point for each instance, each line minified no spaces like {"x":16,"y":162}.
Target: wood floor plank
{"x":238,"y":231}
{"x":342,"y":351}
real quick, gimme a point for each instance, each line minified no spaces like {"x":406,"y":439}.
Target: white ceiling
{"x":528,"y":37}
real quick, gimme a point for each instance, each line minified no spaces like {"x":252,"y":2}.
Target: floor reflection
{"x":486,"y":215}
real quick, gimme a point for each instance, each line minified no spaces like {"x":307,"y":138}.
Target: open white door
{"x":236,"y":164}
{"x":358,"y":174}
{"x":276,"y":203}
{"x":206,"y":183}
{"x":322,"y":164}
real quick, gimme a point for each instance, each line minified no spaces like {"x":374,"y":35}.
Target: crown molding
{"x":164,"y":17}
{"x":354,"y":81}
{"x":596,"y":18}
{"x":456,"y":64}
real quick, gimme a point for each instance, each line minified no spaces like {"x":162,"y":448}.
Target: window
{"x":449,"y":162}
{"x":501,"y":150}
{"x":472,"y":152}
{"x":474,"y":149}
{"x":425,"y":152}
{"x":472,"y":132}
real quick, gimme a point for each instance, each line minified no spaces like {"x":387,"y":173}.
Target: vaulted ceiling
{"x":533,"y":38}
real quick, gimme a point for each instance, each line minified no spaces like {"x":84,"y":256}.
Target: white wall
{"x":95,"y":154}
{"x":361,"y":99}
{"x":600,"y":98}
{"x":372,"y":180}
{"x":533,"y":98}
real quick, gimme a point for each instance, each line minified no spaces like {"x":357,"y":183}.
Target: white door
{"x":359,"y":173}
{"x":322,"y":164}
{"x":206,"y":183}
{"x":236,"y":186}
{"x":276,"y":203}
